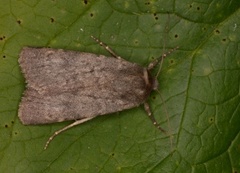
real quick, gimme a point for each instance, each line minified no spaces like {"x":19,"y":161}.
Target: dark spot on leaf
{"x":147,"y":3}
{"x":6,"y":125}
{"x":112,"y":154}
{"x":190,"y":6}
{"x":85,"y":2}
{"x":176,"y":36}
{"x":52,"y":20}
{"x":217,"y":31}
{"x":198,"y":8}
{"x":2,"y":38}
{"x":171,"y":61}
{"x":204,"y":29}
{"x":19,"y":22}
{"x":136,"y":42}
{"x":15,"y":133}
{"x":4,"y":56}
{"x":224,"y":39}
{"x":12,"y":122}
{"x":155,"y":16}
{"x":154,"y":97}
{"x":91,"y":14}
{"x":211,"y":119}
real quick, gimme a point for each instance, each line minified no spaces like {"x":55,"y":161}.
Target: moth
{"x":64,"y":85}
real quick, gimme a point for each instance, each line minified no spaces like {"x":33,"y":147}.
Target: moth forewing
{"x":71,"y":90}
{"x":69,"y":85}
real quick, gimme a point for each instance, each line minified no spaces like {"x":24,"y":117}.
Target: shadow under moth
{"x":65,"y":85}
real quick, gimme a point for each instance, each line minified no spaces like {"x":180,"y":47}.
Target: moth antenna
{"x":160,"y":59}
{"x":106,"y":47}
{"x":168,"y":122}
{"x":164,"y":47}
{"x":165,"y":54}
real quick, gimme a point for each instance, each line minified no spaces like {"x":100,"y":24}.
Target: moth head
{"x":151,"y":83}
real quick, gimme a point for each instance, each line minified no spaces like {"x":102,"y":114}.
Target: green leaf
{"x":199,"y":83}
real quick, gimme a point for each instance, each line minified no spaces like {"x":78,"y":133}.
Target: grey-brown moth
{"x":65,"y":85}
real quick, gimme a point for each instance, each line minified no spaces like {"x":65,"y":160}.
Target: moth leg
{"x":107,"y":48}
{"x":156,"y":61}
{"x":65,"y":128}
{"x":149,"y":113}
